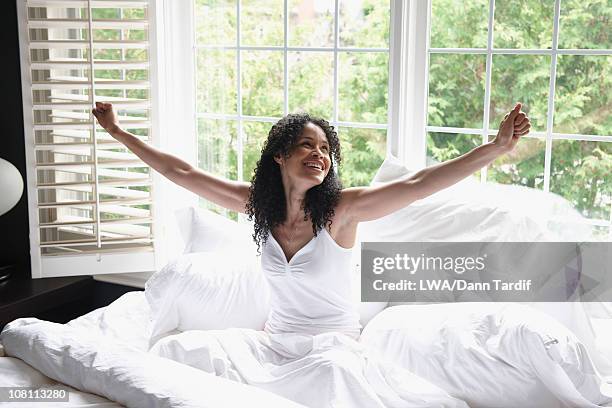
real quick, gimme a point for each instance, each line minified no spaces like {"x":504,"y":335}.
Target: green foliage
{"x":262,"y":83}
{"x":216,"y":22}
{"x":459,"y":24}
{"x":363,"y":92}
{"x":580,"y":171}
{"x":524,"y":24}
{"x":366,"y":27}
{"x":216,"y":81}
{"x":363,"y":151}
{"x":456,"y":90}
{"x":310,"y":76}
{"x":310,"y":27}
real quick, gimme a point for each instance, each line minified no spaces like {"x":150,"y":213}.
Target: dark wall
{"x":14,"y":230}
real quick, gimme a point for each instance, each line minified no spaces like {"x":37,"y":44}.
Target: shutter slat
{"x":72,"y":23}
{"x":130,"y":220}
{"x":71,"y":44}
{"x":108,"y":84}
{"x":114,"y":201}
{"x":73,"y":242}
{"x":122,"y":182}
{"x":120,"y":174}
{"x":82,"y":64}
{"x":132,"y":124}
{"x":135,"y":104}
{"x":94,"y":3}
{"x":75,"y":97}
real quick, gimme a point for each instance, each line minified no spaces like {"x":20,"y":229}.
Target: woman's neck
{"x":295,"y":205}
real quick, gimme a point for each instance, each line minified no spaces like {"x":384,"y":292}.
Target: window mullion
{"x":239,"y":153}
{"x":285,"y":52}
{"x":336,"y":40}
{"x":551,"y":98}
{"x":488,"y":69}
{"x":408,"y":74}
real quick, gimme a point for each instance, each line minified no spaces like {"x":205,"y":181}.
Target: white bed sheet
{"x":126,"y":322}
{"x":111,"y":343}
{"x":16,"y":373}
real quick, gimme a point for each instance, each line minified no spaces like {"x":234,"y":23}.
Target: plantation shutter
{"x":90,"y":199}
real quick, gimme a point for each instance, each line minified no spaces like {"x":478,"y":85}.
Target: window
{"x":556,"y":58}
{"x":256,"y":61}
{"x":90,"y":200}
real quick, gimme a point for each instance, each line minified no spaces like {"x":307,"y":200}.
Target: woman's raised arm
{"x":226,"y":193}
{"x":370,"y":203}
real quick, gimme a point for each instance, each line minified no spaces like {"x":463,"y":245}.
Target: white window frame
{"x":548,"y":135}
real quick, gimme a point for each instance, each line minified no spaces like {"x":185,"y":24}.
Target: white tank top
{"x":312,"y":292}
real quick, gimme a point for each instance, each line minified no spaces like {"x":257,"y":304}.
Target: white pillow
{"x":471,"y":211}
{"x":205,"y":231}
{"x":207,"y":290}
{"x":504,"y":355}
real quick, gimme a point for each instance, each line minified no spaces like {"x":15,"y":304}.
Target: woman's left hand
{"x":515,"y":125}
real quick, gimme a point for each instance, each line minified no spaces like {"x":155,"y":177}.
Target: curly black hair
{"x":266,"y":203}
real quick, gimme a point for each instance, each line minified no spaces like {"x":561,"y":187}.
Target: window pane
{"x":311,"y":23}
{"x":262,"y":83}
{"x":261,"y":22}
{"x":520,"y":78}
{"x":459,"y":24}
{"x":446,"y":146}
{"x":215,"y":22}
{"x":255,"y":134}
{"x":311,"y":78}
{"x":217,"y":147}
{"x":456,"y":90}
{"x":363,"y":93}
{"x":585,"y":24}
{"x":363,"y":151}
{"x":217,"y":141}
{"x":583,"y":97}
{"x":523,"y":24}
{"x":364,"y":23}
{"x":216,"y":81}
{"x":582,"y":173}
{"x":523,"y":166}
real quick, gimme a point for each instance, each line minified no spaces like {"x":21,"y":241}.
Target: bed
{"x":487,"y":355}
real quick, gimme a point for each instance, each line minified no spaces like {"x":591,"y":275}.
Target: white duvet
{"x":106,"y":353}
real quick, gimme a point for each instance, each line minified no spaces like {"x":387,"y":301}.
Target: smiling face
{"x":309,"y":160}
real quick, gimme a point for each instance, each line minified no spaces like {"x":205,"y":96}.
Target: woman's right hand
{"x":107,"y":117}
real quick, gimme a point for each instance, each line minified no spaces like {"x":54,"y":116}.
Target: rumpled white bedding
{"x":121,"y":373}
{"x":105,"y":352}
{"x":95,"y":353}
{"x":15,"y":373}
{"x":490,"y":355}
{"x":327,"y":370}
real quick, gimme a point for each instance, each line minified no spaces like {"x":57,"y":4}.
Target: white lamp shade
{"x":11,"y":186}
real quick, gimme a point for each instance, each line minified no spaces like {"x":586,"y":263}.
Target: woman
{"x":305,"y":225}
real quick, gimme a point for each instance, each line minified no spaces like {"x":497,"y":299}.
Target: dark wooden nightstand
{"x":54,"y":299}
